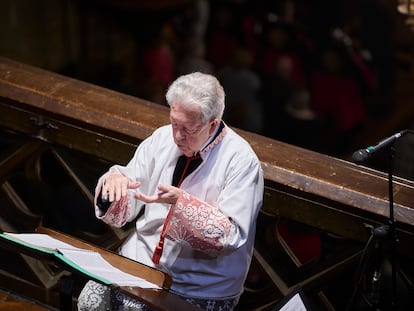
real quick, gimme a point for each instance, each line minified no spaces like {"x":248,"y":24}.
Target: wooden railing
{"x":48,"y":117}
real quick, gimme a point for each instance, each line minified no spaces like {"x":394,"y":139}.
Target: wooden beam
{"x":125,"y":121}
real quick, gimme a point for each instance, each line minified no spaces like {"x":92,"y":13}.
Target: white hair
{"x":199,"y":89}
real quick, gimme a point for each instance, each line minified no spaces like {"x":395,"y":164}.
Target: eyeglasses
{"x":189,"y":131}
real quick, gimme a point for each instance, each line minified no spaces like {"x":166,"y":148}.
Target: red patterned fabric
{"x":118,"y":213}
{"x":202,"y":226}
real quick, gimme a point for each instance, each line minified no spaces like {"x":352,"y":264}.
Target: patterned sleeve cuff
{"x":201,"y":225}
{"x":118,"y":213}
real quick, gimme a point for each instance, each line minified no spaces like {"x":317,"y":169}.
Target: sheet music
{"x":294,"y":304}
{"x":41,"y":240}
{"x":88,"y":260}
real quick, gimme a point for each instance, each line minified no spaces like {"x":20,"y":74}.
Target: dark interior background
{"x":351,"y":62}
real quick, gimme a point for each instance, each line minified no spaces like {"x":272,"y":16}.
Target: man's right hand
{"x":116,"y":185}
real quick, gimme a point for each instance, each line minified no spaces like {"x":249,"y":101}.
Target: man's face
{"x":189,"y":132}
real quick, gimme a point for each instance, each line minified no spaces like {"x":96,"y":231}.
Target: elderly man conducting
{"x":194,"y":188}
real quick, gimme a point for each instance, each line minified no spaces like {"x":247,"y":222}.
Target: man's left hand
{"x":166,"y":194}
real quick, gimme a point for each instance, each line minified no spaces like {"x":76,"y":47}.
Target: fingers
{"x":134,"y":185}
{"x":120,"y":189}
{"x":145,"y":198}
{"x":164,"y":188}
{"x":166,"y":194}
{"x":117,"y":185}
{"x":171,"y":192}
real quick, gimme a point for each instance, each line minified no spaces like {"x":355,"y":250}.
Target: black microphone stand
{"x":385,"y":233}
{"x":390,"y":232}
{"x":381,"y":234}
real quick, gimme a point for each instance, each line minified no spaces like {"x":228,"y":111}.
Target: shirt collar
{"x":211,"y":137}
{"x":217,"y":135}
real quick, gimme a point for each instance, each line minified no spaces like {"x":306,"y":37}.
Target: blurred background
{"x":331,"y":76}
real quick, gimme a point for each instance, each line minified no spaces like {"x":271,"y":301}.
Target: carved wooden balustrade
{"x":58,"y":135}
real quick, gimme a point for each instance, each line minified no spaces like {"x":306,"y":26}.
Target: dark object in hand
{"x":103,"y":202}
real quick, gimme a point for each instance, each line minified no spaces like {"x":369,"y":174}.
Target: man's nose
{"x":179,"y":135}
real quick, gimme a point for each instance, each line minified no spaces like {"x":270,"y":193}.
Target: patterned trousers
{"x":98,"y":297}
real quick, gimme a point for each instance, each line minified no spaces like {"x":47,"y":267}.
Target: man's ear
{"x":213,"y":126}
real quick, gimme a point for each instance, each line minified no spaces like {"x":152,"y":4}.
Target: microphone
{"x":361,"y":155}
